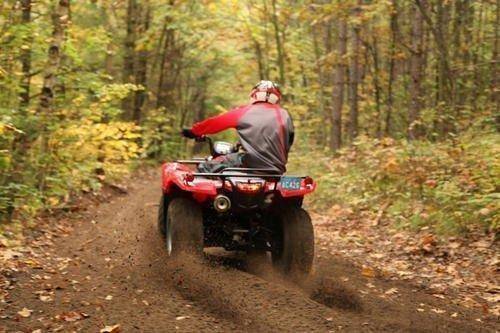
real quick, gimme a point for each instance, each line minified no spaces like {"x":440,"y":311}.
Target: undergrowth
{"x":450,"y":186}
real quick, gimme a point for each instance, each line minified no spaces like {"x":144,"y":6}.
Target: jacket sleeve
{"x":219,"y":123}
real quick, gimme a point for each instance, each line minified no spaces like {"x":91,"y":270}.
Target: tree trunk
{"x":60,"y":20}
{"x":354,"y":79}
{"x":392,"y":68}
{"x":322,"y":82}
{"x":460,"y":15}
{"x":20,"y":143}
{"x":338,"y":87}
{"x":279,"y":44}
{"x":129,"y":55}
{"x":260,"y":61}
{"x":446,"y":91}
{"x":24,"y":95}
{"x":267,"y":41}
{"x":111,"y":25}
{"x":445,"y":78}
{"x":169,"y":71}
{"x":199,"y":107}
{"x":141,"y":65}
{"x":416,"y":74}
{"x":160,"y":93}
{"x":494,"y":70}
{"x":376,"y":83}
{"x":466,"y":51}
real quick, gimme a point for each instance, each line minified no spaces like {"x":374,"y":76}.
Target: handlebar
{"x":203,"y":138}
{"x":186,"y":132}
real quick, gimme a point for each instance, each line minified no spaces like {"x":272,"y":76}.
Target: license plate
{"x":290,"y":183}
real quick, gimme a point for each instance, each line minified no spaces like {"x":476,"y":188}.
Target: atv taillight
{"x":308,"y":181}
{"x":188,"y":177}
{"x":248,"y":187}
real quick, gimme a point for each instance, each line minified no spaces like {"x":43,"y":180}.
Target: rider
{"x":265,"y":131}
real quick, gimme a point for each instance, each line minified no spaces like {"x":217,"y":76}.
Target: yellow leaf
{"x":368,"y":272}
{"x":110,"y":329}
{"x":25,"y":312}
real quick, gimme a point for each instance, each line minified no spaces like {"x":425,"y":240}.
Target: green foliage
{"x":160,"y":136}
{"x":77,"y":157}
{"x":451,"y":186}
{"x":82,"y":142}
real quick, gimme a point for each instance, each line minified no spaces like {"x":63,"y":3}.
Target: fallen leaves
{"x":484,"y":211}
{"x":431,"y":183}
{"x":72,"y":316}
{"x":368,"y":272}
{"x":428,"y":242}
{"x":466,"y":268}
{"x":45,"y":298}
{"x":380,"y":214}
{"x":111,"y":329}
{"x":9,"y":254}
{"x":391,"y":291}
{"x":4,"y":242}
{"x":45,"y":295}
{"x":25,"y":312}
{"x":482,"y":244}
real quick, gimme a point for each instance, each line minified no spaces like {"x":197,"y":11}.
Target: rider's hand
{"x":187,"y":133}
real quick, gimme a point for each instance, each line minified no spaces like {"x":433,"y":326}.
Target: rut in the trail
{"x":250,"y":300}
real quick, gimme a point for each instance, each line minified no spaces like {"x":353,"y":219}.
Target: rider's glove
{"x":187,"y":133}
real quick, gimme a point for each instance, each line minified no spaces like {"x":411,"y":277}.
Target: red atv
{"x":239,"y":209}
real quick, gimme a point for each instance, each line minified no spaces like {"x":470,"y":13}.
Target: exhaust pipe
{"x":222,"y":203}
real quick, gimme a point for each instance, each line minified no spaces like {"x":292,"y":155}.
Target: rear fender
{"x":173,"y":180}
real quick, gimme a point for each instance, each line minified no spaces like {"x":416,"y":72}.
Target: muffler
{"x":222,"y":203}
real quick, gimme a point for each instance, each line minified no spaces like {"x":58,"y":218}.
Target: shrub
{"x":451,"y":186}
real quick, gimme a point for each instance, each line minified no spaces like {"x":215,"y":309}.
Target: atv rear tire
{"x":162,"y":215}
{"x":184,"y":227}
{"x":293,"y":243}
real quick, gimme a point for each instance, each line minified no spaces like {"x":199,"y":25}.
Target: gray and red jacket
{"x":265,"y":130}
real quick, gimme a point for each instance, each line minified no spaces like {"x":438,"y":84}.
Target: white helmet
{"x":266,"y":91}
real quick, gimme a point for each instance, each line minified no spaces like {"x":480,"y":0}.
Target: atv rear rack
{"x":246,"y":175}
{"x":194,"y":160}
{"x":245,"y":172}
{"x":266,"y":172}
{"x":272,"y":171}
{"x":226,"y":175}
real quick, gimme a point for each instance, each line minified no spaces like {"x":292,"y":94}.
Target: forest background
{"x":396,"y":102}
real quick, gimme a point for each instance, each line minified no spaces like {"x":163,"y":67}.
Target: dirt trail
{"x":112,"y":269}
